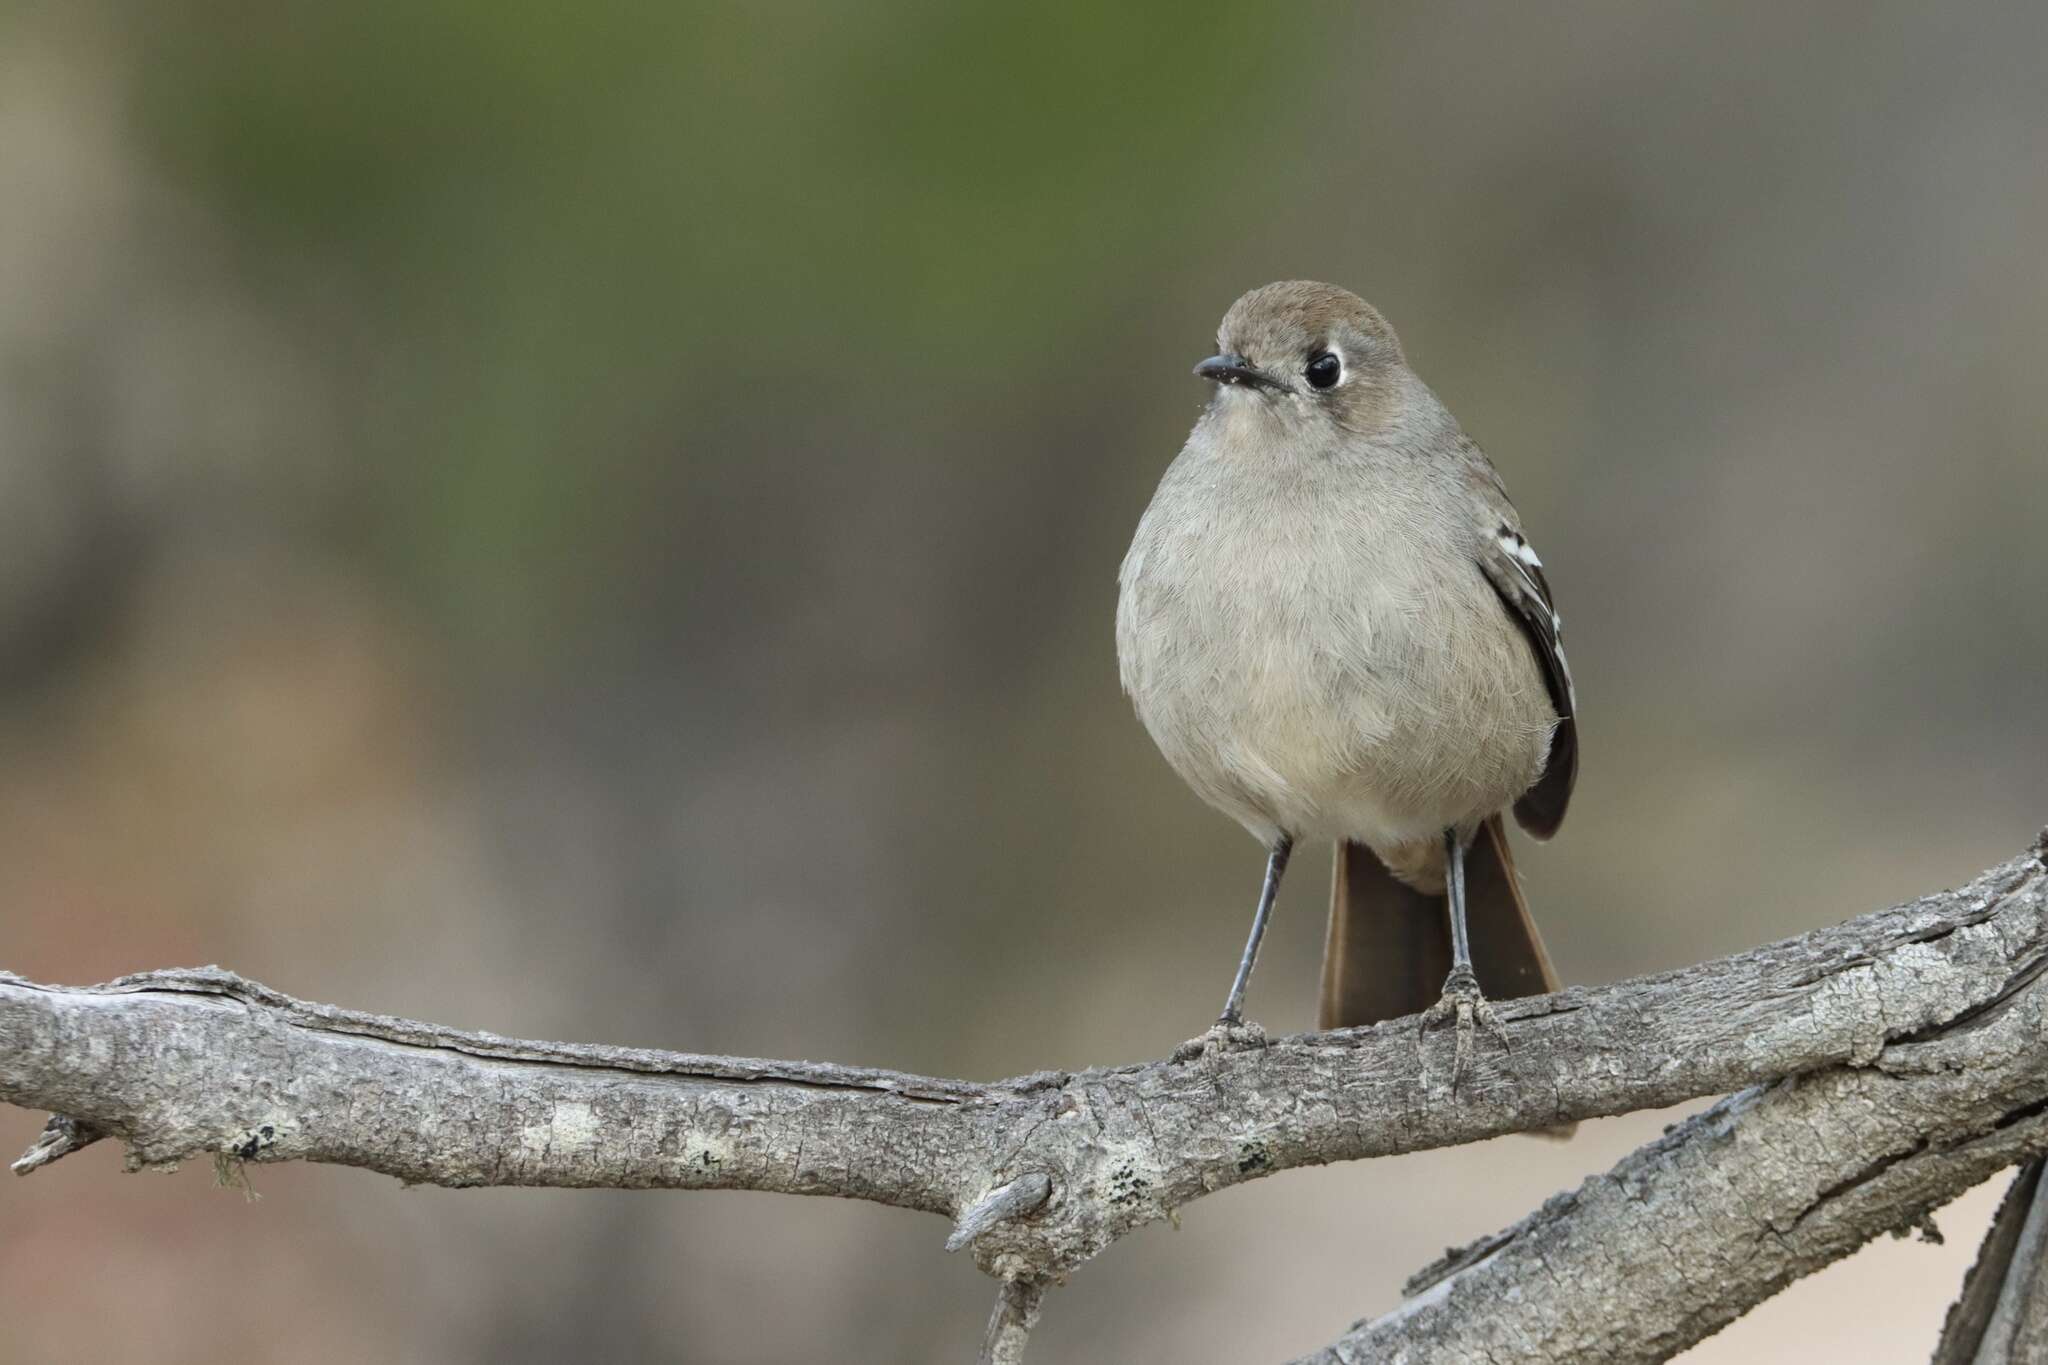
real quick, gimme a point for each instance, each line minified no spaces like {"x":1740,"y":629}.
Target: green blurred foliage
{"x":537,"y":207}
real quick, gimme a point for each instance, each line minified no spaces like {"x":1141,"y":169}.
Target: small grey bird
{"x":1333,"y":628}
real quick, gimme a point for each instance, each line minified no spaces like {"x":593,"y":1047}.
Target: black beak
{"x":1235,"y":369}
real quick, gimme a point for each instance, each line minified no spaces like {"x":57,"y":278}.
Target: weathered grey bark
{"x":1687,"y":1234}
{"x":183,"y":1063}
{"x":2001,"y":1317}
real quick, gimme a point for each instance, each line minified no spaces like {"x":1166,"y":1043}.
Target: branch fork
{"x":1880,"y":1066}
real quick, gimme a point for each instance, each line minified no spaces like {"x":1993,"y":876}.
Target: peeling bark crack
{"x":1879,"y":1067}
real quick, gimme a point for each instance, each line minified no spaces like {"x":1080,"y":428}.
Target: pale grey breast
{"x":1309,"y":639}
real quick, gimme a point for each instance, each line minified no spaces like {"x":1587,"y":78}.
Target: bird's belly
{"x":1367,"y":720}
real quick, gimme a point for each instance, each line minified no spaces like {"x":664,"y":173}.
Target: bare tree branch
{"x":182,"y":1063}
{"x":1690,"y":1232}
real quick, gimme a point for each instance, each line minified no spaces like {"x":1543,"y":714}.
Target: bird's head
{"x":1307,"y":352}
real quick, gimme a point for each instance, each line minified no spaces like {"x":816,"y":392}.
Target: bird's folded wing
{"x":1511,"y":565}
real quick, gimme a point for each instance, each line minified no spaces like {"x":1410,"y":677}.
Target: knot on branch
{"x":60,"y":1137}
{"x":1021,"y":1196}
{"x":1102,"y":1165}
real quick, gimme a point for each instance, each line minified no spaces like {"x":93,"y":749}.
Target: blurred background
{"x":603,"y":524}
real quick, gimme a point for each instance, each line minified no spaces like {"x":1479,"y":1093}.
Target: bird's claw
{"x":1225,"y":1035}
{"x":1464,"y":1005}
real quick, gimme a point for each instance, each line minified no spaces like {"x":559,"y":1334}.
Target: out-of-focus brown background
{"x":602,"y":523}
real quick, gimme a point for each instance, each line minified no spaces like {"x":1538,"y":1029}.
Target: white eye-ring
{"x":1325,"y":369}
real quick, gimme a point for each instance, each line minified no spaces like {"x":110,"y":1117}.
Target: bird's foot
{"x":1463,"y":1004}
{"x":1225,"y":1035}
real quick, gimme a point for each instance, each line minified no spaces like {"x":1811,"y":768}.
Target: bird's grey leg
{"x":1462,"y":1000}
{"x":1454,"y":896}
{"x":1276,"y":866}
{"x":1230,"y":1033}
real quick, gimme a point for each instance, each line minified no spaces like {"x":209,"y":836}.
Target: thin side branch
{"x":2002,"y":1314}
{"x":1011,"y":1320}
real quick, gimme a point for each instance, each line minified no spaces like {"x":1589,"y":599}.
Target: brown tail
{"x":1389,"y":947}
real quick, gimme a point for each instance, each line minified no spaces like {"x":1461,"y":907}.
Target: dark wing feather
{"x":1517,"y":575}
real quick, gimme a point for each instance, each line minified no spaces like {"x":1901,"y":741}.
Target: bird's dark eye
{"x":1324,"y":369}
